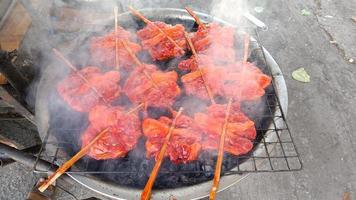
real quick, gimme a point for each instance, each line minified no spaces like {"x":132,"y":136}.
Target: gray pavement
{"x":321,"y":113}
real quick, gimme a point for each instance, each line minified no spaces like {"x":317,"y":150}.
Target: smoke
{"x":230,"y":10}
{"x":70,"y":25}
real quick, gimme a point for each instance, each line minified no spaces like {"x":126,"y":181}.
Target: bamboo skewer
{"x":116,"y":39}
{"x":135,"y":109}
{"x":70,"y":65}
{"x":210,"y":94}
{"x":147,"y":21}
{"x":146,"y":193}
{"x":138,"y":62}
{"x":244,"y":62}
{"x":70,"y":162}
{"x":246,"y":47}
{"x":196,"y":18}
{"x":217,"y":172}
{"x":133,"y":56}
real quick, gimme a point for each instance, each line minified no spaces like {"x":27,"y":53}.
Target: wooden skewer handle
{"x":70,"y":162}
{"x":246,"y":47}
{"x":146,"y":194}
{"x":196,"y":18}
{"x":139,"y":15}
{"x":217,"y":172}
{"x":116,"y":39}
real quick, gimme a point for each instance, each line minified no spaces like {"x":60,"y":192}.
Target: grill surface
{"x":63,"y":131}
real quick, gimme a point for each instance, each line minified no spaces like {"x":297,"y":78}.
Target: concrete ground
{"x":321,"y":113}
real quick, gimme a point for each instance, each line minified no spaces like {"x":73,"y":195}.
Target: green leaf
{"x":306,"y":12}
{"x":301,"y":75}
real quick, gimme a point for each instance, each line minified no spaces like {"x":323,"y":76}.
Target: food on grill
{"x":213,"y":71}
{"x":184,"y":144}
{"x":245,"y":81}
{"x":146,"y":193}
{"x":157,"y":43}
{"x":162,"y":40}
{"x":235,"y":80}
{"x":124,"y":131}
{"x":215,"y":41}
{"x":147,"y":84}
{"x":83,"y":94}
{"x":213,"y":78}
{"x":102,"y":49}
{"x":221,"y":150}
{"x":240,"y":129}
{"x":191,"y":63}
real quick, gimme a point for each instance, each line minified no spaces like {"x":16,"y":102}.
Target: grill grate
{"x":275,"y":151}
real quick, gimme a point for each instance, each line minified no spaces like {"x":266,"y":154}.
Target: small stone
{"x":259,"y":9}
{"x":329,"y":16}
{"x":351,"y":60}
{"x":353,"y":18}
{"x":333,"y":42}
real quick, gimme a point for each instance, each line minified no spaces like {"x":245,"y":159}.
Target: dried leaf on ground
{"x":301,"y":75}
{"x":306,"y":12}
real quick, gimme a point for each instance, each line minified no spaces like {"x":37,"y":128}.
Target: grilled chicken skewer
{"x":208,"y":90}
{"x":146,"y":193}
{"x":148,"y":84}
{"x":70,"y":65}
{"x":147,"y":21}
{"x":217,"y":172}
{"x":62,"y":169}
{"x":138,"y":63}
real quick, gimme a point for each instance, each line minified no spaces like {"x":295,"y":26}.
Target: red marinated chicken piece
{"x":215,"y":41}
{"x":194,"y":84}
{"x":124,"y":131}
{"x":103,"y":50}
{"x":239,"y":134}
{"x":157,"y":43}
{"x":230,"y":81}
{"x":158,"y":90}
{"x":192,"y":63}
{"x":245,"y":83}
{"x":82,"y":96}
{"x":184,"y":144}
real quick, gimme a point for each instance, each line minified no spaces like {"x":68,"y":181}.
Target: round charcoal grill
{"x":124,"y":178}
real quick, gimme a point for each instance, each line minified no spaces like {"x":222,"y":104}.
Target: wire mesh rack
{"x":274,"y":151}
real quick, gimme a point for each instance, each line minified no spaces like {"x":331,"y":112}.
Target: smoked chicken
{"x":124,"y":131}
{"x":158,"y":44}
{"x":102,"y":49}
{"x":184,"y":144}
{"x":82,"y":95}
